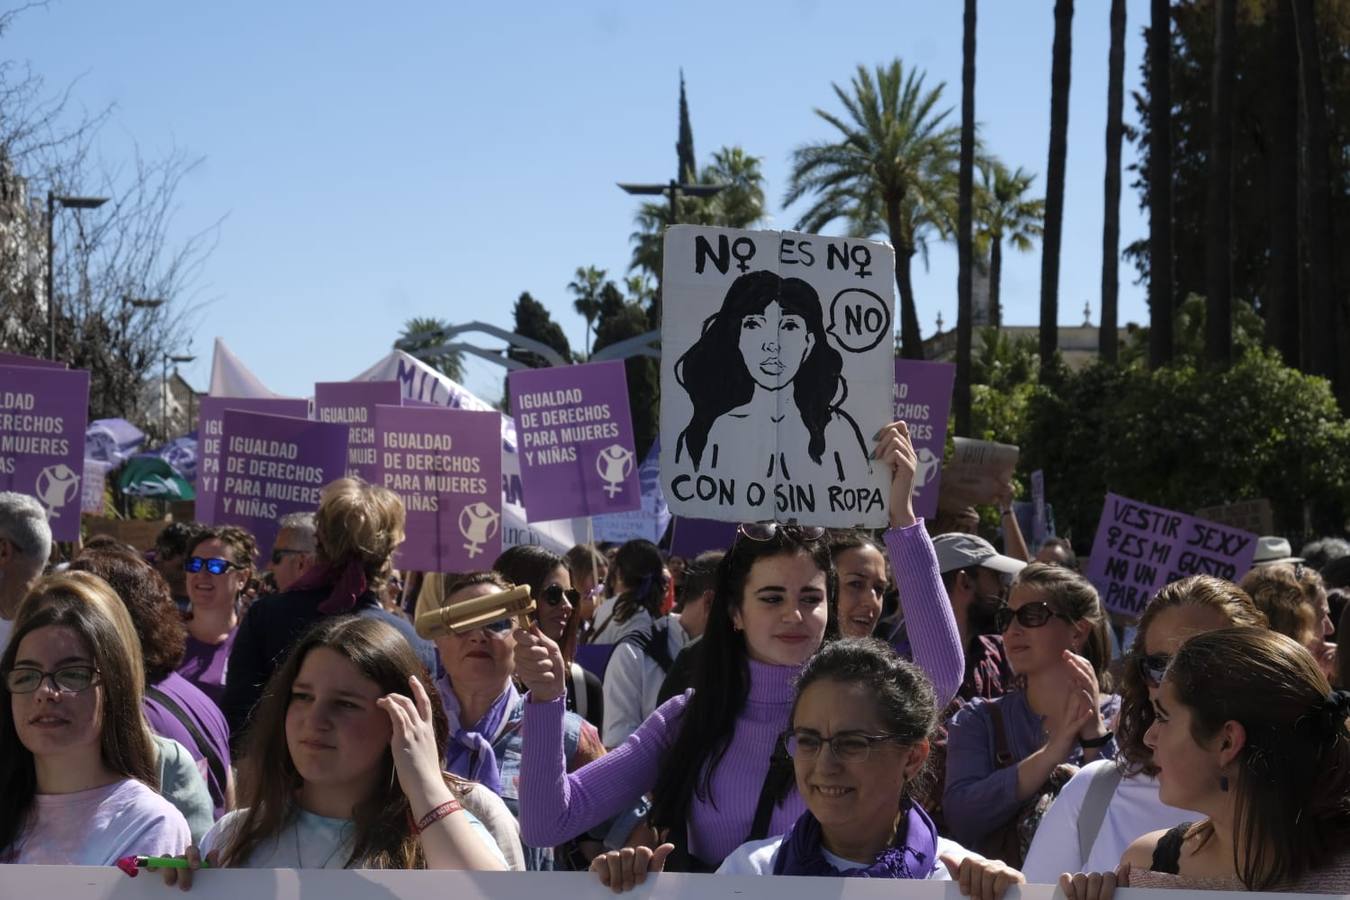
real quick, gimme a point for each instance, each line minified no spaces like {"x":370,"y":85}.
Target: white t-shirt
{"x":308,"y":842}
{"x":756,"y":858}
{"x":99,"y":826}
{"x":633,"y":679}
{"x":1133,"y":812}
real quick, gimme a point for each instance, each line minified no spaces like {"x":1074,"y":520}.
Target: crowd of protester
{"x":908,"y":704}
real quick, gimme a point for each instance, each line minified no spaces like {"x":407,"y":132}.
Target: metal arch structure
{"x":648,"y":344}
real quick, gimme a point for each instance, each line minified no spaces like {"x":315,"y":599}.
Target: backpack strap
{"x":1003,"y":756}
{"x":771,"y":793}
{"x":654,"y":643}
{"x":213,"y":761}
{"x":1101,"y":788}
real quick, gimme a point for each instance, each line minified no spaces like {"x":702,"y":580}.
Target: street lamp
{"x":53,"y":201}
{"x":164,"y":388}
{"x":674,"y":189}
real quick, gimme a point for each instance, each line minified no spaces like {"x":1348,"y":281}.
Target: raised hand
{"x":895,"y":449}
{"x":623,"y":870}
{"x":539,"y":665}
{"x":413,"y":744}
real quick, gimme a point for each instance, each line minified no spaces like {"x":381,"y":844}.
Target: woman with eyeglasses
{"x":219,"y":564}
{"x":712,"y":758}
{"x":1248,"y":734}
{"x":858,"y":741}
{"x":1109,"y":803}
{"x":78,"y":782}
{"x":485,"y":710}
{"x":357,"y":528}
{"x":1008,"y":757}
{"x":558,"y":611}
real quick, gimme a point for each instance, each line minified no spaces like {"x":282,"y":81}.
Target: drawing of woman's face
{"x":773,"y":344}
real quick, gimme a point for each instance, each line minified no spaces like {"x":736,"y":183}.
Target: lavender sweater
{"x":556,"y":807}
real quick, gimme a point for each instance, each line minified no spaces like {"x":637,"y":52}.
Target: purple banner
{"x":210,"y":422}
{"x":574,"y":434}
{"x":43,"y":414}
{"x":18,"y":359}
{"x":274,"y":465}
{"x":1140,"y":548}
{"x":691,"y":537}
{"x":353,"y":403}
{"x":923,"y":398}
{"x":446,"y":464}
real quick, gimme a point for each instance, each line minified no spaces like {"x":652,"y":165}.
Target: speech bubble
{"x":859,"y":319}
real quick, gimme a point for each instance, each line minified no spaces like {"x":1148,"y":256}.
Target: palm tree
{"x":1219,"y":201}
{"x":965,"y":215}
{"x":1109,"y":336}
{"x":586,"y":286}
{"x":892,"y":170}
{"x":1005,"y":214}
{"x":1060,"y":60}
{"x":1160,"y":301}
{"x":425,"y":334}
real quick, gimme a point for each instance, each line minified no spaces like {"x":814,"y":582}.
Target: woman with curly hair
{"x":219,"y":566}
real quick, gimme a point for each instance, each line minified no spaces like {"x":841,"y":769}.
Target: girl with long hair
{"x":343,"y":768}
{"x":1008,"y":757}
{"x":78,"y":781}
{"x":712,"y":758}
{"x":1109,"y":803}
{"x":1248,"y":733}
{"x":861,"y":564}
{"x":219,"y":565}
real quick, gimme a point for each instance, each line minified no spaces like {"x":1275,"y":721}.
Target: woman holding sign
{"x":770,"y":336}
{"x":713,"y":757}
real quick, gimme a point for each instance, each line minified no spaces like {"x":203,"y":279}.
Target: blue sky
{"x":377,"y":162}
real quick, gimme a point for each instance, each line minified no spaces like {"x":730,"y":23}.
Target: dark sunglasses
{"x":215,"y":566}
{"x":554,"y":594}
{"x":1032,"y":615}
{"x":280,"y":554}
{"x":1153,"y":666}
{"x":766,"y":531}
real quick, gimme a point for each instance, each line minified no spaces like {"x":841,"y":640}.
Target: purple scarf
{"x":911,"y":856}
{"x":469,"y":753}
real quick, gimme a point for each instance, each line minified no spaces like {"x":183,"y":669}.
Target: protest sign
{"x":446,"y":465}
{"x":1141,"y":548}
{"x":648,"y":523}
{"x":274,"y":465}
{"x":1038,"y":523}
{"x":690,"y":537}
{"x":1256,"y":516}
{"x":923,"y":398}
{"x":777,"y":370}
{"x":93,"y":486}
{"x":353,"y":404}
{"x":43,"y":413}
{"x":575,"y":440}
{"x":210,"y":421}
{"x":979,"y":473}
{"x":18,"y":359}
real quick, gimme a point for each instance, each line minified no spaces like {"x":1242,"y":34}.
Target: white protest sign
{"x":777,"y":370}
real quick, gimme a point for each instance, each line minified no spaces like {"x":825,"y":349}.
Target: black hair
{"x":528,"y":564}
{"x":841,"y":542}
{"x":713,"y":373}
{"x":642,"y":569}
{"x":906,"y":701}
{"x":175,"y":538}
{"x":700,"y":574}
{"x":721,"y":682}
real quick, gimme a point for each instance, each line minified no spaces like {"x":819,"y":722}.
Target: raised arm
{"x":929,"y":621}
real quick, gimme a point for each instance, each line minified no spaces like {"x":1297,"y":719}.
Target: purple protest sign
{"x":353,"y":403}
{"x":274,"y":465}
{"x":690,"y":537}
{"x":43,"y":414}
{"x":923,"y":397}
{"x":1141,"y":548}
{"x":18,"y":359}
{"x":574,"y":433}
{"x":446,"y":464}
{"x":210,"y":422}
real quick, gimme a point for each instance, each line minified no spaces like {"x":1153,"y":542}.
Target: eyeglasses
{"x":67,"y":680}
{"x":216,"y":565}
{"x":766,"y":531}
{"x":279,"y":554}
{"x":1153,"y":666}
{"x":847,"y":746}
{"x":554,"y":594}
{"x":1030,"y":615}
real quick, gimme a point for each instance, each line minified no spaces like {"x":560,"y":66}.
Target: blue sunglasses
{"x":216,"y":566}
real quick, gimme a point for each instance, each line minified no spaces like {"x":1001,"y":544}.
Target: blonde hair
{"x":1290,"y":596}
{"x":361,"y":521}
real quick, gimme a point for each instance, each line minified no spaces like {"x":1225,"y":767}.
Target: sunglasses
{"x":766,"y":531}
{"x":1153,"y":666}
{"x":554,"y":594}
{"x":280,"y":554}
{"x":67,"y":680}
{"x":1032,"y":615}
{"x":216,"y":565}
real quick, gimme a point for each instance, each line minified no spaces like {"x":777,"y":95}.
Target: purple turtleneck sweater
{"x":555,"y":806}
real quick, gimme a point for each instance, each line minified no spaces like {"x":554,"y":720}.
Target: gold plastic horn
{"x":461,"y":618}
